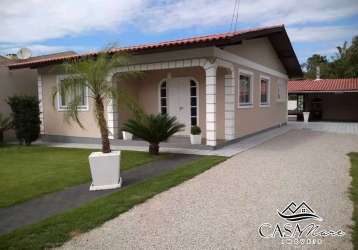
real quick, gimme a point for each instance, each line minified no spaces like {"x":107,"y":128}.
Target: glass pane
{"x":192,"y":83}
{"x":193,"y":111}
{"x":193,"y":101}
{"x":264,"y":90}
{"x":164,"y":85}
{"x":193,"y":91}
{"x":163,"y":92}
{"x":164,"y":110}
{"x":244,"y":89}
{"x":163,"y":102}
{"x":193,"y":121}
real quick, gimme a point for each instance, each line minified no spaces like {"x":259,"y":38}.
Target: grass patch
{"x":354,"y":197}
{"x":58,"y":229}
{"x":28,"y":172}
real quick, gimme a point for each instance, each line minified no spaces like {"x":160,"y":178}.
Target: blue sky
{"x":84,"y":25}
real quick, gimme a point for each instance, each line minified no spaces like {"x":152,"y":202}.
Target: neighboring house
{"x":325,"y":99}
{"x":231,"y":85}
{"x":14,"y":82}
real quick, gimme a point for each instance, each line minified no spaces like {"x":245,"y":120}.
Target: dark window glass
{"x":164,"y":85}
{"x":193,"y":121}
{"x":163,"y":92}
{"x":192,"y":83}
{"x":193,"y":91}
{"x":193,"y":111}
{"x":193,"y":101}
{"x":164,"y":110}
{"x":163,"y":102}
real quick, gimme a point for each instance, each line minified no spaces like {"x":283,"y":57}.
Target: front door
{"x":179,"y":102}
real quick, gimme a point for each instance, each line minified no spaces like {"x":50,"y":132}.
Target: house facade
{"x":231,"y":85}
{"x":325,"y":99}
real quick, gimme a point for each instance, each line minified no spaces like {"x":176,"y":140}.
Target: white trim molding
{"x":250,"y":74}
{"x":268,"y":103}
{"x":229,"y":89}
{"x":41,"y":108}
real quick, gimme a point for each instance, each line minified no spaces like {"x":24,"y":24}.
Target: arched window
{"x":163,"y":97}
{"x":193,"y":103}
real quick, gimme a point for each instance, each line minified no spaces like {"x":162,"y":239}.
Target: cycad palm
{"x":153,"y":129}
{"x":92,"y":73}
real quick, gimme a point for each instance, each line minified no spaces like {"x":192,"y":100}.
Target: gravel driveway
{"x":224,"y":207}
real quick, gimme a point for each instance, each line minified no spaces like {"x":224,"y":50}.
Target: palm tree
{"x":153,"y":129}
{"x":5,"y":124}
{"x":92,"y":73}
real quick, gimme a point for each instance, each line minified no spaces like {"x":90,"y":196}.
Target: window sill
{"x":79,"y":109}
{"x":281,"y":101}
{"x":267,"y":105}
{"x":245,"y":106}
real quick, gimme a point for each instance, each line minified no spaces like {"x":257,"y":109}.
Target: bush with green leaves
{"x":195,"y":130}
{"x":26,"y":118}
{"x":153,"y":129}
{"x":5,"y":124}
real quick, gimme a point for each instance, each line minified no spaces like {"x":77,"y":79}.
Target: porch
{"x":195,"y":91}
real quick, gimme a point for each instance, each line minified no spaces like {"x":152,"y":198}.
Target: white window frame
{"x":250,"y":74}
{"x":281,"y":83}
{"x":61,"y":107}
{"x":267,"y":104}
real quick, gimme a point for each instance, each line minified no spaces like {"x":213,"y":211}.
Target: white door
{"x":179,"y":102}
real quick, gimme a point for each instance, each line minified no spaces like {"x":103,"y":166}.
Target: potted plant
{"x":127,"y":136}
{"x":195,"y":135}
{"x":5,"y":124}
{"x":306,"y":116}
{"x":153,"y":129}
{"x":104,"y":165}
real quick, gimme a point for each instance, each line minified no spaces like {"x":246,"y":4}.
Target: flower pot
{"x":105,"y":170}
{"x":127,"y":136}
{"x":195,"y":139}
{"x":306,"y":115}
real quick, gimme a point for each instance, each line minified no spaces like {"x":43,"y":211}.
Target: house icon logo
{"x":298,"y":213}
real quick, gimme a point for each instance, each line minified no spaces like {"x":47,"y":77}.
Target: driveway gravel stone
{"x":224,"y":207}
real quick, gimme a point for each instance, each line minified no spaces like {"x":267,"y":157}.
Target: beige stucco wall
{"x":259,"y":51}
{"x":54,"y":122}
{"x":256,"y":118}
{"x":15,"y":82}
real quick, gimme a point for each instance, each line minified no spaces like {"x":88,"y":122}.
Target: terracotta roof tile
{"x":349,"y":84}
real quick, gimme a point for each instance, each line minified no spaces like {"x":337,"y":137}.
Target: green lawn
{"x":28,"y":172}
{"x":58,"y":229}
{"x":354,"y":196}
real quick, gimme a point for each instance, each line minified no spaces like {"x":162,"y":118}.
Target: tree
{"x":92,"y":73}
{"x":26,"y":118}
{"x":5,"y":124}
{"x":310,"y":66}
{"x":153,"y":129}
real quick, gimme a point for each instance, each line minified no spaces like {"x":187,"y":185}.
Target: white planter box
{"x":105,"y":170}
{"x":306,"y":115}
{"x":195,"y":139}
{"x":127,"y":136}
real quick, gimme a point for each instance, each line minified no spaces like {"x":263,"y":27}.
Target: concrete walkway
{"x":45,"y":206}
{"x":224,"y":207}
{"x":228,"y":151}
{"x":332,"y":127}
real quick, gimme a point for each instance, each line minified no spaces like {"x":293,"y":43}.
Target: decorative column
{"x":210,"y":96}
{"x":229,"y":106}
{"x":41,"y":109}
{"x":112,"y":114}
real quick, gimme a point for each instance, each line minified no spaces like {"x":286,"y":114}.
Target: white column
{"x":229,"y":106}
{"x":112,"y":115}
{"x":40,"y":97}
{"x":210,"y":96}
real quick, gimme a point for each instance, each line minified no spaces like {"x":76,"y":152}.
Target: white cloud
{"x":319,"y":34}
{"x":38,"y":20}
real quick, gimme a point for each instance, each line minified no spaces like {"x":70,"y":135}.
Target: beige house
{"x":14,"y":82}
{"x":231,"y":85}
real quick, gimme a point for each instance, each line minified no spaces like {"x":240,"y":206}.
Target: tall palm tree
{"x":92,"y":73}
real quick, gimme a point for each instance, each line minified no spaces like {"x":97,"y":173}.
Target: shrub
{"x":26,"y":118}
{"x":153,"y":129}
{"x":195,"y":130}
{"x":5,"y":124}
